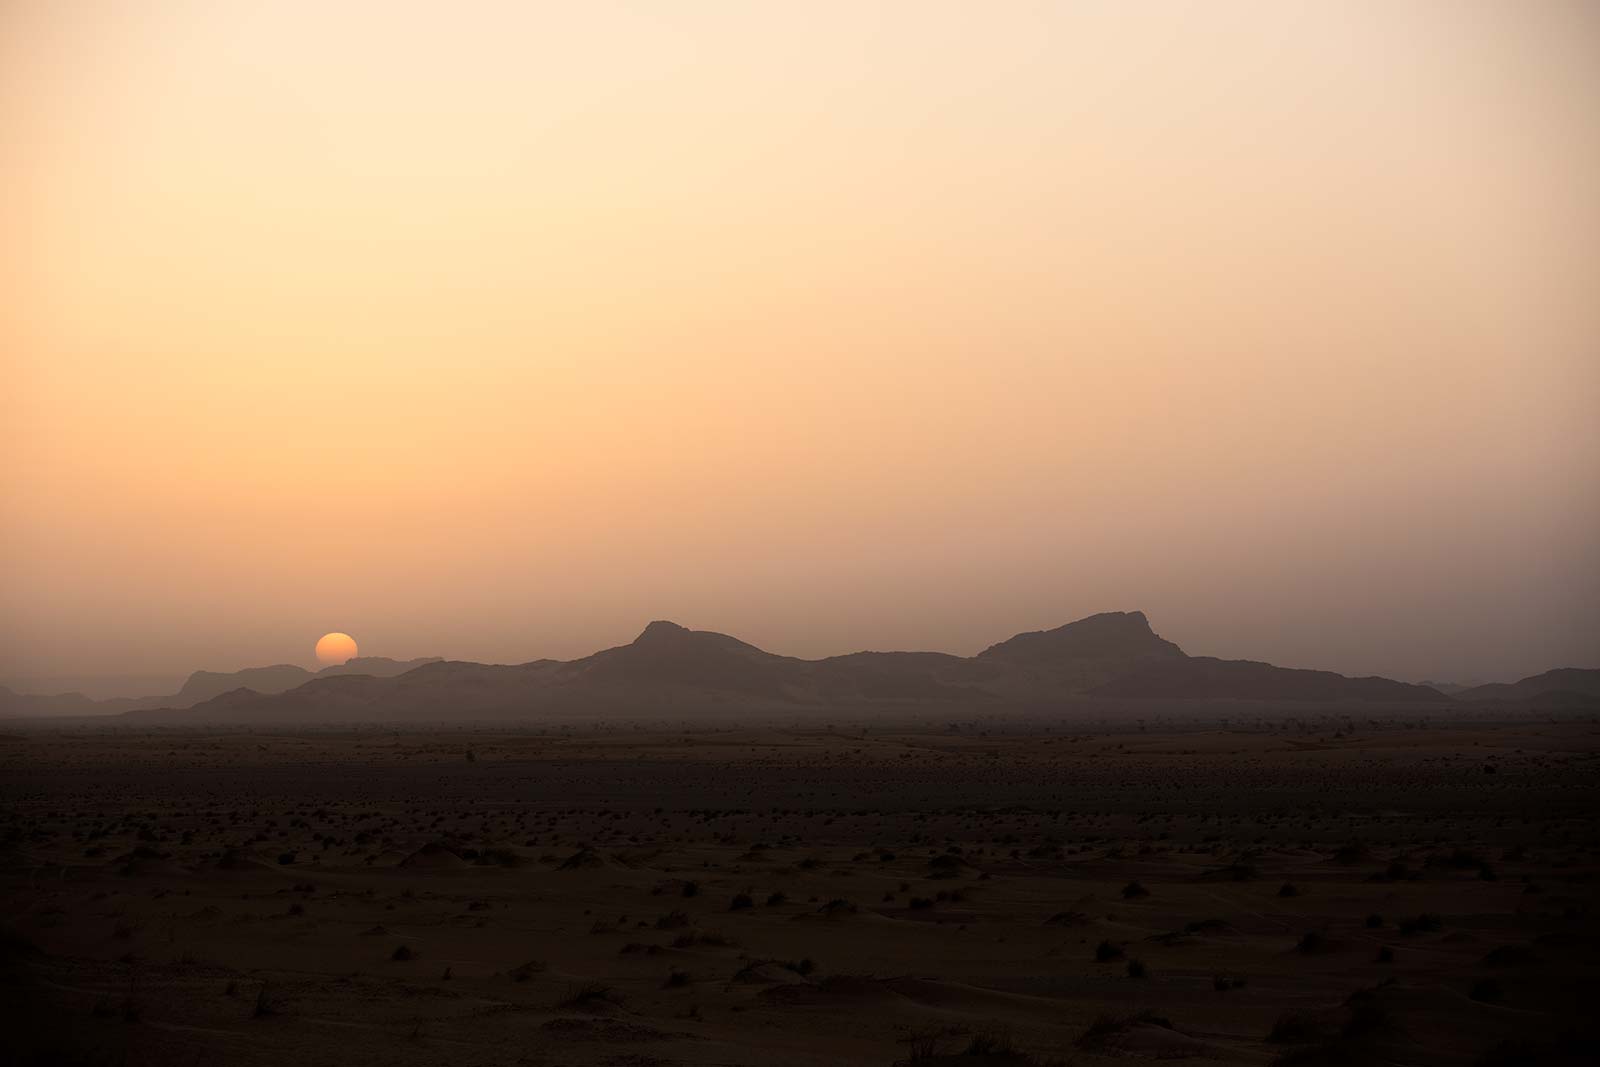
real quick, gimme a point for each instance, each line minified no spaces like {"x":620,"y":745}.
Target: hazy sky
{"x":495,"y":330}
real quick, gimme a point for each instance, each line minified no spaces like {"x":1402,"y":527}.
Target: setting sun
{"x":335,"y":648}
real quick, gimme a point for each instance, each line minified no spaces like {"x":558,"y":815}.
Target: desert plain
{"x":1298,"y":887}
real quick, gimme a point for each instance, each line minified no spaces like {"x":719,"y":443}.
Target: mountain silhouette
{"x":1564,"y":685}
{"x":1112,"y":636}
{"x":1204,"y":678}
{"x":669,"y":669}
{"x":667,"y":654}
{"x":202,"y":686}
{"x":1106,"y":660}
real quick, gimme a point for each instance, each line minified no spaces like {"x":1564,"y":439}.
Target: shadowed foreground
{"x":1299,"y":892}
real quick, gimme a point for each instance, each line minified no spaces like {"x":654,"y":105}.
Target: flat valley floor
{"x":1309,"y":892}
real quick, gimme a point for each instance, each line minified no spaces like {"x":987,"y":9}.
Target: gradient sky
{"x":495,"y":330}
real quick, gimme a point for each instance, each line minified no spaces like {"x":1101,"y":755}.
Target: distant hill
{"x":1565,"y":685}
{"x":668,"y":656}
{"x":13,"y":705}
{"x":1204,"y":678}
{"x":202,"y":686}
{"x":669,"y":669}
{"x":1112,"y":636}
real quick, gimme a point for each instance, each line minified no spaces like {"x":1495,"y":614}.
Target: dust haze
{"x":494,"y":336}
{"x":857,"y":532}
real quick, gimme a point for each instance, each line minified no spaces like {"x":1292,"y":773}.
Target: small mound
{"x":433,"y":856}
{"x":583,"y":859}
{"x":601,"y":1030}
{"x":1145,"y":1035}
{"x":1511,"y":956}
{"x":236,"y":862}
{"x":1068,"y":918}
{"x":768,"y":973}
{"x":836,"y":991}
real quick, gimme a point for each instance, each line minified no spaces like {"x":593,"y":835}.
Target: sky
{"x":496,"y":330}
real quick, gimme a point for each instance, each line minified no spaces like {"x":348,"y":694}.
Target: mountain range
{"x":1564,"y":686}
{"x":202,"y":686}
{"x":669,"y":669}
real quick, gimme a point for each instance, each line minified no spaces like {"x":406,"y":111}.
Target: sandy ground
{"x":1367,"y":892}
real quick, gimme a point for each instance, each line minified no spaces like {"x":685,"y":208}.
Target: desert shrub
{"x":775,"y":899}
{"x":1397,"y":871}
{"x":589,"y":995}
{"x":991,"y":1041}
{"x":1103,"y":1032}
{"x":1103,"y":1027}
{"x":498,"y":857}
{"x":1374,"y":921}
{"x":286,"y":858}
{"x":266,"y":1005}
{"x":1067,"y":918}
{"x":1234,"y":872}
{"x":1461,"y":859}
{"x":1367,"y":1015}
{"x":1106,"y":952}
{"x":1288,"y":889}
{"x":1133,"y":891}
{"x":672,"y":920}
{"x":524,"y":971}
{"x":1510,"y":956}
{"x":1487,"y":991}
{"x":403,"y":953}
{"x":691,"y":938}
{"x":1136,"y":969}
{"x":741,"y":901}
{"x":690,"y":889}
{"x":1296,"y":1028}
{"x":1313,"y":942}
{"x":1568,"y":1048}
{"x":1425,"y":923}
{"x":1385,"y":955}
{"x":1354,"y":852}
{"x":923,"y":1044}
{"x":677,"y":979}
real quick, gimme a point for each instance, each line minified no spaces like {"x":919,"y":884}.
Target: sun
{"x":335,"y":648}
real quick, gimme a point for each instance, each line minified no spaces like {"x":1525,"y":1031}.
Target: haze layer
{"x":485,"y":330}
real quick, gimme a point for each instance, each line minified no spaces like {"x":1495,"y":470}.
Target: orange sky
{"x":494,"y":331}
